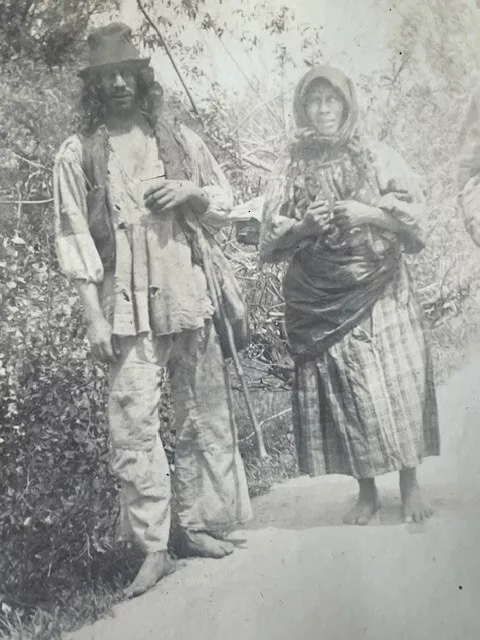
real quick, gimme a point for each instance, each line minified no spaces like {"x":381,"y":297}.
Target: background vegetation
{"x":60,"y":565}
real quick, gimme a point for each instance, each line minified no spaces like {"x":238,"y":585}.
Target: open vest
{"x":95,"y":149}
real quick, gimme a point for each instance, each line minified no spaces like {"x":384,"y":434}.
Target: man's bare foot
{"x":155,"y":567}
{"x":414,"y":507}
{"x":204,"y":545}
{"x":367,"y":505}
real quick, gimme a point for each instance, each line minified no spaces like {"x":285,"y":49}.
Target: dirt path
{"x":301,"y":575}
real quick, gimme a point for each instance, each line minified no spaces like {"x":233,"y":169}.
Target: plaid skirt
{"x":367,"y":405}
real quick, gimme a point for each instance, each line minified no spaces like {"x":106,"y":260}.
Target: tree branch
{"x":258,"y":164}
{"x":168,"y":52}
{"x":250,"y":83}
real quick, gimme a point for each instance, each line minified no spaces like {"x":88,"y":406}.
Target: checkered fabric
{"x":367,"y":405}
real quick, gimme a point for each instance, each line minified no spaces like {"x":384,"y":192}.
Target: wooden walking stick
{"x":262,"y":452}
{"x":217,"y":296}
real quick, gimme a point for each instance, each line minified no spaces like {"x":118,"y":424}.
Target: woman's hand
{"x":352,"y":213}
{"x":165,"y":195}
{"x":313,"y":222}
{"x":390,"y":200}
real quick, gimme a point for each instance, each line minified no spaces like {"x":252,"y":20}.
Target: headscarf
{"x":346,"y":90}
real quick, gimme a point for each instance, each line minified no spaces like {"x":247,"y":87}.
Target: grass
{"x":273,"y":411}
{"x":84,"y":606}
{"x":457,"y":338}
{"x":68,"y":609}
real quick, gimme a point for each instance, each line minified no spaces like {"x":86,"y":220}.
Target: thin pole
{"x":250,"y":83}
{"x":262,"y":452}
{"x":169,"y":54}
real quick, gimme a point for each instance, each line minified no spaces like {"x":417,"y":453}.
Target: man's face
{"x":119,"y":86}
{"x":324,"y":108}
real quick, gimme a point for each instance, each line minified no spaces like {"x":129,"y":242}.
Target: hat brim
{"x":134,"y":63}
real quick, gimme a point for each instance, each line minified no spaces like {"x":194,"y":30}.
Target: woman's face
{"x":325,"y":108}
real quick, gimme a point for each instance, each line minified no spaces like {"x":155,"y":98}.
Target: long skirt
{"x":367,"y":405}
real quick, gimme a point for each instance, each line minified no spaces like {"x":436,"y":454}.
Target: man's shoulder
{"x":189,"y":135}
{"x":70,"y":150}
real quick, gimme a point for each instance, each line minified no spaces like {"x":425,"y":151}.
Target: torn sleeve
{"x":76,"y":251}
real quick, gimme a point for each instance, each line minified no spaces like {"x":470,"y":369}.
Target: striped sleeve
{"x":209,"y":175}
{"x":277,"y":241}
{"x":76,"y":251}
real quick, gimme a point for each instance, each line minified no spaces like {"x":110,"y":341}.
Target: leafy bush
{"x":46,"y":30}
{"x":58,"y":496}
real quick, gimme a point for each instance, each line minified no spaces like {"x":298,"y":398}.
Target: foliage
{"x":53,"y":509}
{"x":46,"y":30}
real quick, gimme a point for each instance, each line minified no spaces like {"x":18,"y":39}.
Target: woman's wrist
{"x":303,"y":229}
{"x":373,"y":215}
{"x":385,"y":220}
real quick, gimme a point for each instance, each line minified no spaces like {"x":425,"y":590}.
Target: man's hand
{"x":165,"y":195}
{"x":99,"y":333}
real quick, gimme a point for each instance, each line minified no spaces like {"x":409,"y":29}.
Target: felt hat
{"x":112,"y":45}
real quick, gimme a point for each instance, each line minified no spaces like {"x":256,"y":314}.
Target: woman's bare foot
{"x":156,"y":566}
{"x":367,"y":505}
{"x":204,"y":545}
{"x":415,"y":508}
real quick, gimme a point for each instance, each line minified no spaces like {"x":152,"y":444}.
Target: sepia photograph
{"x":239,"y":320}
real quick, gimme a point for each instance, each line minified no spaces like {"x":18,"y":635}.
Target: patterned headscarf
{"x":346,"y":90}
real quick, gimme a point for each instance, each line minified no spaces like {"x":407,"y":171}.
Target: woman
{"x":343,"y":212}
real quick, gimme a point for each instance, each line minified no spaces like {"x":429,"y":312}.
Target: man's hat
{"x":112,"y":45}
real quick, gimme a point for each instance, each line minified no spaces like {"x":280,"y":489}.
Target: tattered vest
{"x":96,"y":149}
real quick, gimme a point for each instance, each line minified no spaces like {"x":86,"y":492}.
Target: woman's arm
{"x":290,"y":233}
{"x":352,"y":213}
{"x":281,"y":233}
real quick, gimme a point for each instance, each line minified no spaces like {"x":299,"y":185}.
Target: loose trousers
{"x":210,"y":484}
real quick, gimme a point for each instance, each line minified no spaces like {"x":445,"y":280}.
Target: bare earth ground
{"x":301,"y":574}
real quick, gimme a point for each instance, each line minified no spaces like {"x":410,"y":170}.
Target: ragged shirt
{"x":155,"y":286}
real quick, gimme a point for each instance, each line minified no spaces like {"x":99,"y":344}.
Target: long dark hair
{"x":92,"y":101}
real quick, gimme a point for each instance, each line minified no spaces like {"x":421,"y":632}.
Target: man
{"x":131,"y":193}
